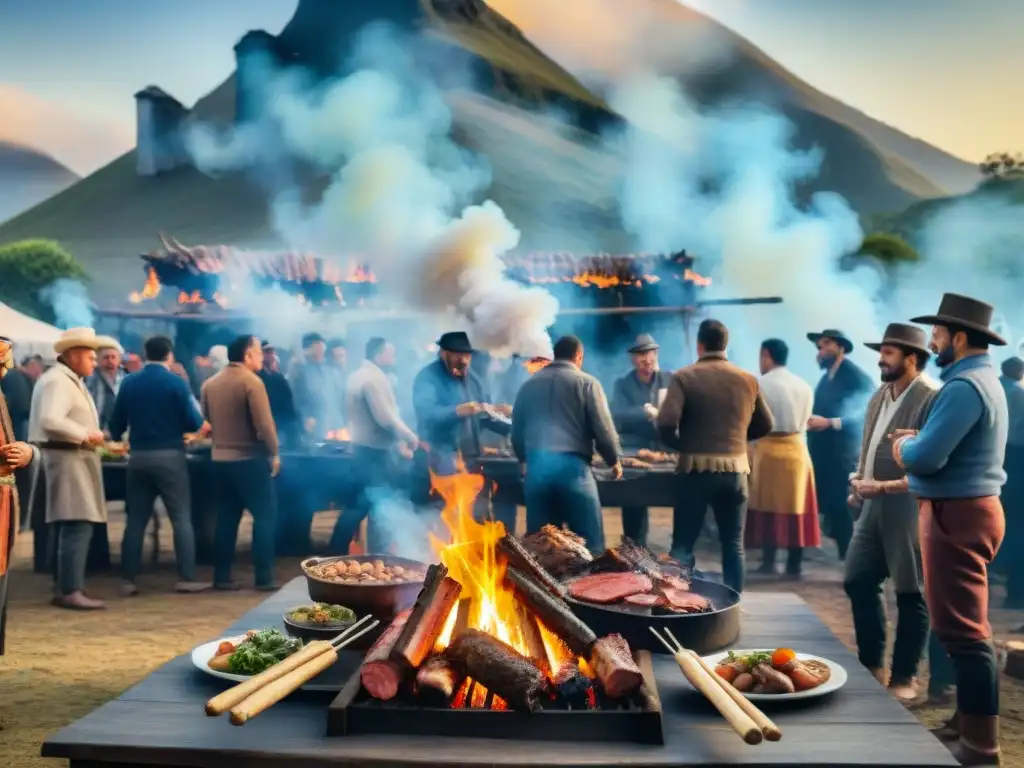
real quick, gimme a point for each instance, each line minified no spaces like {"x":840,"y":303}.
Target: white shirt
{"x":373,"y":418}
{"x":790,"y":399}
{"x":886,"y":411}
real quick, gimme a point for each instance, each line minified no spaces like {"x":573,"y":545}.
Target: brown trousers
{"x":959,"y":539}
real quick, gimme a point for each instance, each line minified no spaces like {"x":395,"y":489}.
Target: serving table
{"x":160,"y":721}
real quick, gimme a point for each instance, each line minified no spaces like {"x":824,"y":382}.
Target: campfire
{"x":492,"y":633}
{"x":338,"y":436}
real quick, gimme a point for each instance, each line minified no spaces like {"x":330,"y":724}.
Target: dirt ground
{"x":61,"y":665}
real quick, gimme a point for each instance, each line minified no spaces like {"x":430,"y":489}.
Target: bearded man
{"x":834,"y":430}
{"x":65,"y":425}
{"x":885,"y":542}
{"x":955,"y":467}
{"x":13,"y":456}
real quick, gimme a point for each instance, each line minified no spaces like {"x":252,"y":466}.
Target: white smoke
{"x":400,"y":193}
{"x":72,"y":307}
{"x":721,"y":185}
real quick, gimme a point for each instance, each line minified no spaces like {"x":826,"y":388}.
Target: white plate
{"x":201,"y":658}
{"x":835,"y":681}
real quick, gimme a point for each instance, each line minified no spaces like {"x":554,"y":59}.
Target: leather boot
{"x":979,"y":741}
{"x":949,"y":731}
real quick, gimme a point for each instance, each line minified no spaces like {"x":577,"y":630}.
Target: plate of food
{"x":319,"y":620}
{"x":239,"y":658}
{"x":379,"y":584}
{"x":780,"y":674}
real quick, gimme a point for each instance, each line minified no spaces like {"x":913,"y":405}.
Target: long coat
{"x":10,"y":530}
{"x":63,"y":411}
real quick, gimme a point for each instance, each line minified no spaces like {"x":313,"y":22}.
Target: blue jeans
{"x":726,"y":493}
{"x":244,"y":485}
{"x":372,"y":469}
{"x":560,"y":489}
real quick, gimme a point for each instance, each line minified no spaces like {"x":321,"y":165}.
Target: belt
{"x":56,"y":445}
{"x":7,"y":480}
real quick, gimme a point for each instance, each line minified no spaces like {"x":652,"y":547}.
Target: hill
{"x":27,"y":177}
{"x":528,"y":152}
{"x":909,"y":222}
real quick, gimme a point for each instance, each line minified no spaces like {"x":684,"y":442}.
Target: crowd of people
{"x":906,"y":477}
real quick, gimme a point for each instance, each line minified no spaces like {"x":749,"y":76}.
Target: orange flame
{"x":149,"y":291}
{"x":471,"y":556}
{"x":536,"y":364}
{"x":341,"y":435}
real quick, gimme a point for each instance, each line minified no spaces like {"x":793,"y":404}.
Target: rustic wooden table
{"x":160,"y":722}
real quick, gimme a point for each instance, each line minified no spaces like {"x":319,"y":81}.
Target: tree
{"x":1002,"y":165}
{"x":29,"y":266}
{"x":888,"y":249}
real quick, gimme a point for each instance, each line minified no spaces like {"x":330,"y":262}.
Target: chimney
{"x":257,"y":56}
{"x":158,"y":145}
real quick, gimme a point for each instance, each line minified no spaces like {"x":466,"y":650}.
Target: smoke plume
{"x":71,"y":305}
{"x":400,"y":192}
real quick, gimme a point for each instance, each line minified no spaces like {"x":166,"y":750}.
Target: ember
{"x":535,"y":364}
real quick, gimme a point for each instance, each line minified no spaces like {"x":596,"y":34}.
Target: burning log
{"x":571,"y":684}
{"x":428,"y":618}
{"x":615,"y":667}
{"x":520,"y":558}
{"x":380,"y":676}
{"x":438,"y":680}
{"x":501,"y":668}
{"x":553,"y":612}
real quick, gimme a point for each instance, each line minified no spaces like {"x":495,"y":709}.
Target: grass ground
{"x":61,"y":665}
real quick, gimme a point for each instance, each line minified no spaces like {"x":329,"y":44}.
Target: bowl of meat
{"x":628,"y":589}
{"x":379,"y":584}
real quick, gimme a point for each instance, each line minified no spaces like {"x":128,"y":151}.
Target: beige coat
{"x":63,"y":411}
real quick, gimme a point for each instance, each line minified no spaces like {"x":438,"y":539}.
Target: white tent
{"x":30,"y":336}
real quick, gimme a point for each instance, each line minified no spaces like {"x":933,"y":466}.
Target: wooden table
{"x":161,"y":721}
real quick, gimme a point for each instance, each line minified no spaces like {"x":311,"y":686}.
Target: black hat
{"x":455,"y":341}
{"x":644,"y":343}
{"x":903,"y":336}
{"x":310,"y":339}
{"x":834,"y":334}
{"x":964,"y":312}
{"x":1013,"y":368}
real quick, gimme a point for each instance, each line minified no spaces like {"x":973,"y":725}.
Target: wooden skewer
{"x":771,"y":731}
{"x":222,"y":702}
{"x":700,"y":679}
{"x":271,"y":693}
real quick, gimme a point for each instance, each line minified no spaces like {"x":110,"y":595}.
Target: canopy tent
{"x":30,"y":336}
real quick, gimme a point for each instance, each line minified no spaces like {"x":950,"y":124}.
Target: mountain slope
{"x":28,"y":177}
{"x":554,"y":181}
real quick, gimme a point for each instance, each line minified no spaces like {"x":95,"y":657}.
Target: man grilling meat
{"x":835,"y":430}
{"x":452,"y":405}
{"x":712,"y":409}
{"x":560,"y":418}
{"x":635,"y":401}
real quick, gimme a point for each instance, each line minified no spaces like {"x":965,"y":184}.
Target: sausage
{"x":380,"y":676}
{"x":804,"y":675}
{"x":730,"y":670}
{"x":743,"y":682}
{"x":773,"y":680}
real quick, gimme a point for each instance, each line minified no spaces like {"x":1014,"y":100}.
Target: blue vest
{"x":975,"y":467}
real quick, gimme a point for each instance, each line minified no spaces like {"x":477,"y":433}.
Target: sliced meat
{"x":615,"y":668}
{"x":685,"y":601}
{"x":644,"y":598}
{"x":604,"y":588}
{"x":380,"y":676}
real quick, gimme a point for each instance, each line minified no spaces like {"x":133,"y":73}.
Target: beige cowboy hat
{"x":109,"y":342}
{"x":76,"y":338}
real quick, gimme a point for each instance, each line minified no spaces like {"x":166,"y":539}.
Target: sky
{"x":946,"y":71}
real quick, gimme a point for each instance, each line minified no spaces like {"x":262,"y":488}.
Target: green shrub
{"x":29,"y":266}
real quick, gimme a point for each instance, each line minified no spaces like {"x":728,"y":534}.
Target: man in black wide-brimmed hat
{"x":886,"y":544}
{"x":835,"y":430}
{"x":955,"y":468}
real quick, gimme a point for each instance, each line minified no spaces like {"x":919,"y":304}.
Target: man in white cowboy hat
{"x":636,"y":398}
{"x":105,"y":382}
{"x":955,"y":468}
{"x":65,"y":425}
{"x":835,"y":430}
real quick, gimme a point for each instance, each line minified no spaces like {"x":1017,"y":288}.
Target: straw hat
{"x":109,"y":342}
{"x":77,"y":338}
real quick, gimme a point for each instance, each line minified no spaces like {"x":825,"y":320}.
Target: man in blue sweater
{"x":955,"y":468}
{"x":157,"y":409}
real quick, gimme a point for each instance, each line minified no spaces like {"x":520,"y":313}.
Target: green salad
{"x":753,"y":658}
{"x":261,"y":650}
{"x":322,"y":613}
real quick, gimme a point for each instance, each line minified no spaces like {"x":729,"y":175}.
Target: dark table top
{"x":161,"y":721}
